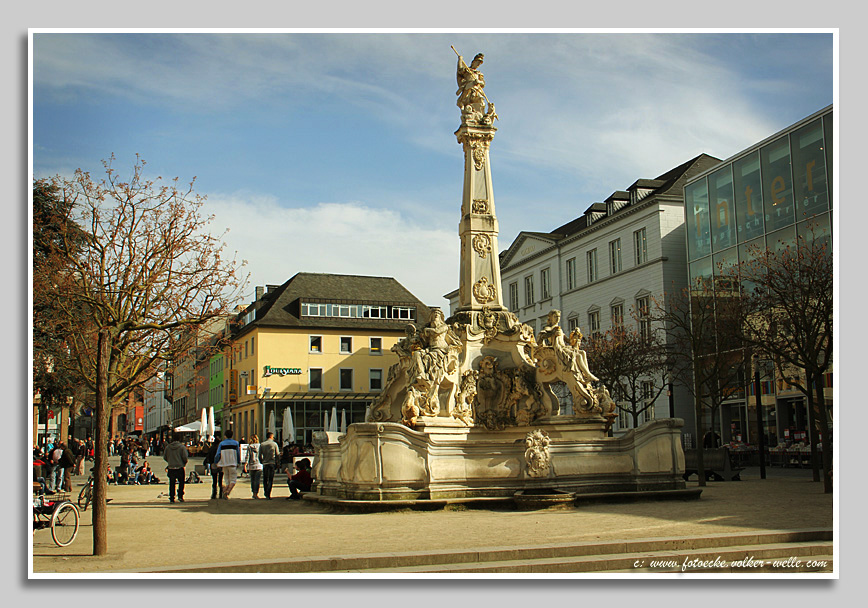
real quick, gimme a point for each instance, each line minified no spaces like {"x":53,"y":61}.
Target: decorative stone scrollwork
{"x":466,"y":399}
{"x":537,"y":456}
{"x":478,"y":157}
{"x":483,"y":291}
{"x":480,"y":205}
{"x":482,"y":245}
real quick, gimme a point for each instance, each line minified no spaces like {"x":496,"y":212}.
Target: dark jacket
{"x":175,"y":455}
{"x":67,"y":458}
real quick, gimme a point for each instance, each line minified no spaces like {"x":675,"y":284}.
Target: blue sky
{"x":336,"y":152}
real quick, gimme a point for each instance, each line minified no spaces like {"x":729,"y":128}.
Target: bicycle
{"x":59,"y":514}
{"x":85,"y":497}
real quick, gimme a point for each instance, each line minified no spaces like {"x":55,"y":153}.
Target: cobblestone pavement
{"x":146,"y":531}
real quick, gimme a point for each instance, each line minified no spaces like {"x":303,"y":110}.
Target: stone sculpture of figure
{"x":471,"y":82}
{"x":410,"y":409}
{"x":581,"y":356}
{"x":397,"y":376}
{"x":435,"y":358}
{"x":572,"y":362}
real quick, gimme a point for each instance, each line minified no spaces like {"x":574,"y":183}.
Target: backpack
{"x":56,"y":453}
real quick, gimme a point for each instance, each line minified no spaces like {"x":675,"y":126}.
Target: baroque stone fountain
{"x":468,"y":411}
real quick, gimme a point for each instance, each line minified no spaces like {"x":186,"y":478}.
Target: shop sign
{"x":51,"y":413}
{"x":281,"y":371}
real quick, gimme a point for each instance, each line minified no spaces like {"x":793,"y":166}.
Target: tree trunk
{"x":700,"y":461}
{"x":827,"y":435}
{"x":812,"y":428}
{"x":100,"y":544}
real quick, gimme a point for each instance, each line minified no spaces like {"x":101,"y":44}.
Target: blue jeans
{"x":255,"y":476}
{"x":56,"y":478}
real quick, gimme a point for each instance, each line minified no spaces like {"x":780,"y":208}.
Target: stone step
{"x":589,"y":553}
{"x":780,"y":558}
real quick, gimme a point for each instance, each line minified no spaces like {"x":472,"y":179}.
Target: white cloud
{"x":339,"y":238}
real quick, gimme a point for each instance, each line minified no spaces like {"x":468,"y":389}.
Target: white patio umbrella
{"x":288,"y":428}
{"x":203,"y":425}
{"x":212,"y":425}
{"x":333,"y":423}
{"x":325,"y":422}
{"x":344,"y":421}
{"x":272,"y":423}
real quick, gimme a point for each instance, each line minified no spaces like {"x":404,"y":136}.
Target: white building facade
{"x":599,"y":267}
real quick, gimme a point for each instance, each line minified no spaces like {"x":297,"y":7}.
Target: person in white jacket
{"x":228,"y":457}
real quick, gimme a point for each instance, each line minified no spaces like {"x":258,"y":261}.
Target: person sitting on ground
{"x":110,"y":475}
{"x":144,"y":474}
{"x":301,"y":481}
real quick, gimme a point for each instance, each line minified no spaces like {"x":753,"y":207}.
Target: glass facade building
{"x":765,"y":196}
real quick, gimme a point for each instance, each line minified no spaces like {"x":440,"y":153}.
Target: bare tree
{"x":706,"y":353}
{"x":788,"y":308}
{"x":147,"y":269}
{"x":634,"y":365}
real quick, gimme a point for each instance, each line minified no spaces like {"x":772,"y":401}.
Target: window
{"x":376,"y":346}
{"x":618,"y":314}
{"x":315,"y":380}
{"x":640,"y":246}
{"x":594,"y":322}
{"x":252,"y":343}
{"x":376,"y":379}
{"x":528,"y":291}
{"x":615,"y":256}
{"x":316,"y":344}
{"x":375,"y":312}
{"x":545,"y":283}
{"x":346,"y":344}
{"x":344,"y":310}
{"x":592,"y":265}
{"x":403,"y":312}
{"x":246,"y":353}
{"x":313,"y":310}
{"x":572,"y":323}
{"x":346,"y":379}
{"x":647,"y":396}
{"x":513,"y":296}
{"x":571,"y":273}
{"x":643,"y":311}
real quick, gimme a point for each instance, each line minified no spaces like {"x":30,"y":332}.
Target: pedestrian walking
{"x":253,"y":465}
{"x":67,"y":464}
{"x":228,"y":457}
{"x":216,"y":471}
{"x":269,"y":457}
{"x":176,"y":457}
{"x":55,"y":481}
{"x":80,"y":453}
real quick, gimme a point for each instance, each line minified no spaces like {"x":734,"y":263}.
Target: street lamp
{"x":759,"y":416}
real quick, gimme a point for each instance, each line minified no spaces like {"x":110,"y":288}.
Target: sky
{"x":336,"y":153}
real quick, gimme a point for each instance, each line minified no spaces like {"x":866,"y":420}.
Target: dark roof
{"x":619,"y":195}
{"x":281,"y":306}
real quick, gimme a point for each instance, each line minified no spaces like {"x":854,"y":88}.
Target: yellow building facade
{"x":316,"y":348}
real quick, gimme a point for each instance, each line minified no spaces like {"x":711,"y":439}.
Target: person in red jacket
{"x":301,"y":481}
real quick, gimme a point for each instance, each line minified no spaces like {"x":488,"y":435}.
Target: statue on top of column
{"x":471,"y":96}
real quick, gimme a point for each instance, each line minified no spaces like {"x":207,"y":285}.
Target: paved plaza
{"x":147,"y":532}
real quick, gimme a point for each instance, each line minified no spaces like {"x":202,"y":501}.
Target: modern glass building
{"x":766,"y":195}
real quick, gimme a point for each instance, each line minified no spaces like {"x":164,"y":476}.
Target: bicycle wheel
{"x":64,"y":524}
{"x":85,"y":497}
